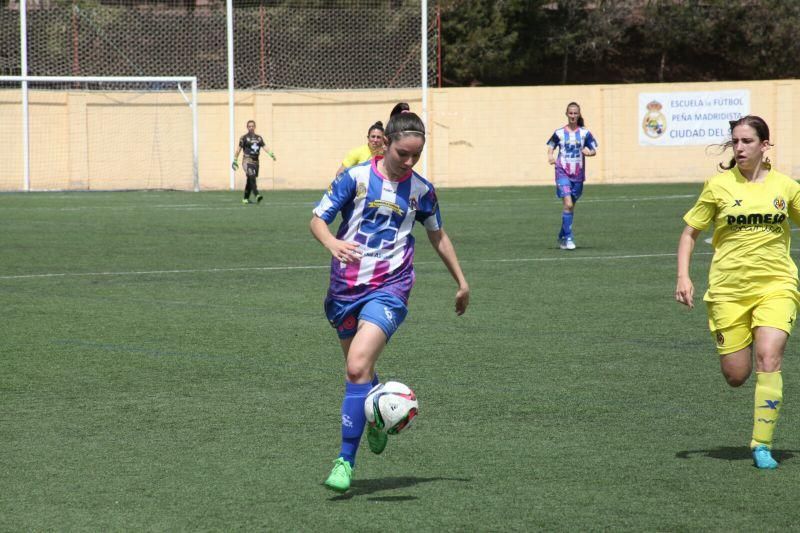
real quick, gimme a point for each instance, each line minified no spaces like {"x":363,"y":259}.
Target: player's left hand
{"x":272,"y":155}
{"x":462,"y":299}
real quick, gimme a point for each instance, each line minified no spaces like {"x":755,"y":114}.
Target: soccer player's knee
{"x":357,"y":375}
{"x":768,"y":361}
{"x":358,"y":368}
{"x":736,"y":379}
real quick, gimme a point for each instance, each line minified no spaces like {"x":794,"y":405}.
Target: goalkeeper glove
{"x":235,"y":165}
{"x":272,"y":156}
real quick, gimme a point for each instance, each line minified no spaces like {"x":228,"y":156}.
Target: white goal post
{"x":99,"y":133}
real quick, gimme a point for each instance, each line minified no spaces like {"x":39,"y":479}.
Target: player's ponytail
{"x":580,"y":116}
{"x":404,"y":124}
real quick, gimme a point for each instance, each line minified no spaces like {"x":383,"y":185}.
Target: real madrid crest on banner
{"x":655,"y":123}
{"x":689,"y":117}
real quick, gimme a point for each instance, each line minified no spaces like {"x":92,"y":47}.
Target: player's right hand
{"x":235,"y":165}
{"x":684,"y":292}
{"x":346,"y":252}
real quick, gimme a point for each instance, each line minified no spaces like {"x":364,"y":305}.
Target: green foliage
{"x":669,"y":29}
{"x":760,"y":38}
{"x":485,"y":41}
{"x":580,"y":41}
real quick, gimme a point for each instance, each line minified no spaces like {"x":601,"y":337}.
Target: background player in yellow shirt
{"x":752,"y":284}
{"x":375,"y":141}
{"x":365,"y":152}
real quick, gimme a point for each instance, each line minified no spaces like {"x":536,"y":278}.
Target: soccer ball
{"x":390,"y":406}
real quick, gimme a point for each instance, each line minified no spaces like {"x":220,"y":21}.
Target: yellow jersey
{"x":751,"y":236}
{"x":358,"y":155}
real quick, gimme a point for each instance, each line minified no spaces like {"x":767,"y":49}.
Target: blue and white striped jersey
{"x":379,"y":215}
{"x":570,"y":160}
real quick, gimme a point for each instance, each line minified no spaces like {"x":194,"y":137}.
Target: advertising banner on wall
{"x":685,"y":118}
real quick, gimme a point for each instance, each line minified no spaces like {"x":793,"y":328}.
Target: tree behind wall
{"x":490,"y":42}
{"x":620,"y":41}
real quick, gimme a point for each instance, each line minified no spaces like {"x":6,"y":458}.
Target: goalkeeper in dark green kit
{"x":251,"y":143}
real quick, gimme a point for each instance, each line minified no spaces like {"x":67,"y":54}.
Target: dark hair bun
{"x":399,"y":108}
{"x":377,"y":126}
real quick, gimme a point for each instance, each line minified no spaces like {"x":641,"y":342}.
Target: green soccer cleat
{"x":259,"y":198}
{"x":339,"y":478}
{"x":377,"y":439}
{"x":245,"y":201}
{"x":762,"y":458}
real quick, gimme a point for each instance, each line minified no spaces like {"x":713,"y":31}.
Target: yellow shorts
{"x":732,"y":323}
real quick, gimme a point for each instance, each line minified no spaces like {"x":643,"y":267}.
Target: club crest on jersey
{"x":779,"y":203}
{"x":361,"y":191}
{"x":412,"y":204}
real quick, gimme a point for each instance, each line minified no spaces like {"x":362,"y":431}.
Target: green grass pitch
{"x":165,"y":364}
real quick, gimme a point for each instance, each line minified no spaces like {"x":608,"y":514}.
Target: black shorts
{"x":251,"y":169}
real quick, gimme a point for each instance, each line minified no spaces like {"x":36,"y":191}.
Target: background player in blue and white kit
{"x":372,"y":270}
{"x":574,"y":143}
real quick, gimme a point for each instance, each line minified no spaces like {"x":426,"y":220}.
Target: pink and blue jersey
{"x":379,"y":215}
{"x":571,"y":163}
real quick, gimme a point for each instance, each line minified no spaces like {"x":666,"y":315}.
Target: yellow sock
{"x":768,"y":401}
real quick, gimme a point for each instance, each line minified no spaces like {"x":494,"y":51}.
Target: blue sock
{"x":353,"y":419}
{"x":566,"y":225}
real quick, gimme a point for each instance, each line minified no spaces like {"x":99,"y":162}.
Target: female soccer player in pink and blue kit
{"x":372,"y":268}
{"x":575,"y":143}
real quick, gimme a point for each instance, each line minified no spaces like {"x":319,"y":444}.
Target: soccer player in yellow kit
{"x":752,"y":284}
{"x":365,"y":152}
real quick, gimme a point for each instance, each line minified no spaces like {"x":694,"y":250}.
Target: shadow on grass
{"x":364,"y":487}
{"x":734,"y":453}
{"x":392,"y":498}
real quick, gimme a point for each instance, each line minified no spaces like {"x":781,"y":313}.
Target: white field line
{"x":310,"y":205}
{"x":564,"y":257}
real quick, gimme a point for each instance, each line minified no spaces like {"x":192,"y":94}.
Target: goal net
{"x":84,"y":133}
{"x":278,"y":44}
{"x":284,"y":51}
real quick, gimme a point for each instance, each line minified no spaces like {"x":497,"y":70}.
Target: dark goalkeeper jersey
{"x":251,"y":145}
